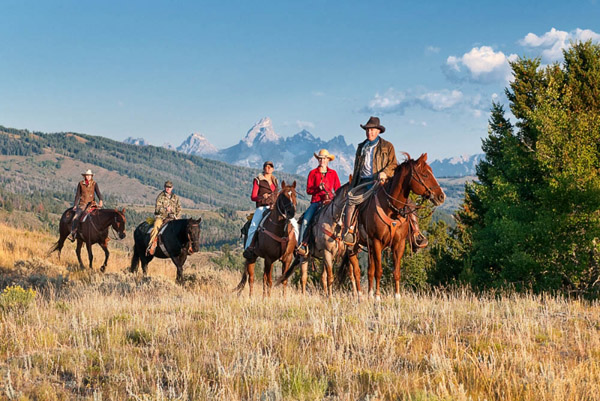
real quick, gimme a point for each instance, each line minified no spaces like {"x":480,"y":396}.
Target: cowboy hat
{"x":323,"y":153}
{"x":373,"y":123}
{"x":88,"y":172}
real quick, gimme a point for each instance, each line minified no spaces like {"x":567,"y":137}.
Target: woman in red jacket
{"x":321,"y":184}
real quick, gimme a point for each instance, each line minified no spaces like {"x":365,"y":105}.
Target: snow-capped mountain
{"x":459,"y":166}
{"x":197,"y":144}
{"x":295,"y":154}
{"x":136,"y":141}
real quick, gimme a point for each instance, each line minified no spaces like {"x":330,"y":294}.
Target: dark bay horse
{"x":382,"y":220}
{"x":93,"y":230}
{"x":325,"y":243}
{"x":178,"y":240}
{"x":275,"y":240}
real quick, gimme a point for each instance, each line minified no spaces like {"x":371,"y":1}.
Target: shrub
{"x":16,"y":298}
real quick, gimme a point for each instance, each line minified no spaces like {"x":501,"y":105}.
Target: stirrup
{"x":349,"y":238}
{"x":71,"y":236}
{"x":302,"y":250}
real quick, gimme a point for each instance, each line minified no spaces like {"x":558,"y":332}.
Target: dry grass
{"x":119,"y":336}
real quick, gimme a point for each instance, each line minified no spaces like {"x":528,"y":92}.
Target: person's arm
{"x":312,"y":186}
{"x":77,"y":195}
{"x":160,"y":209}
{"x":336,"y":182}
{"x":98,"y":194}
{"x":392,"y":163}
{"x":177,"y":207}
{"x":254,"y":195}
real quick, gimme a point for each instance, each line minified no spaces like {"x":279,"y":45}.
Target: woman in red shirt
{"x":321,"y":184}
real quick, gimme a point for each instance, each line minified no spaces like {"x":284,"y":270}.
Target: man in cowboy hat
{"x":167,"y":208}
{"x":375,"y":160}
{"x":84,"y":198}
{"x":322,"y":183}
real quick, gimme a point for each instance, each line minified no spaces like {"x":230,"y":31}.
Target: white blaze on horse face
{"x":290,"y":194}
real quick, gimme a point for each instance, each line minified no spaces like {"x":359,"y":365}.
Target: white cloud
{"x":393,"y":101}
{"x":432,"y":50}
{"x":553,"y":42}
{"x":305,"y":124}
{"x":480,"y":65}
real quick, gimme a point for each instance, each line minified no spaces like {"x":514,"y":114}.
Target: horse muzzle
{"x":438,"y":199}
{"x":122,"y":235}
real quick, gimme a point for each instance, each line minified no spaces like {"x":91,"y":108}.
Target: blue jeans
{"x":308,"y":215}
{"x":258,"y":214}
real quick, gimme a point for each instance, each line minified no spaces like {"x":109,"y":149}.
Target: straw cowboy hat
{"x":88,"y":172}
{"x":373,"y":123}
{"x":323,"y":153}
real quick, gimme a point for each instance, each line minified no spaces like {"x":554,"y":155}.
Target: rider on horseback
{"x":321,"y":184}
{"x":84,"y":195}
{"x":375,"y":161}
{"x":264,"y":193}
{"x":167,"y":208}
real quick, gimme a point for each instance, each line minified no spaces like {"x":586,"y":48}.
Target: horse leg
{"x":285,"y":265}
{"x":304,"y":276}
{"x":267,"y":279}
{"x":88,"y":246}
{"x":104,"y":246}
{"x":377,"y":249}
{"x":355,"y":275}
{"x":371,"y":273}
{"x":398,"y":253}
{"x":328,"y":269}
{"x":179,"y":262}
{"x":78,"y":252}
{"x":135,"y":260}
{"x":250,"y":270}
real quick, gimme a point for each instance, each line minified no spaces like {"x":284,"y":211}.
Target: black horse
{"x":179,"y":239}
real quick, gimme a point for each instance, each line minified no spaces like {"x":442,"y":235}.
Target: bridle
{"x":189,"y":236}
{"x":284,"y":213}
{"x":406,"y":207}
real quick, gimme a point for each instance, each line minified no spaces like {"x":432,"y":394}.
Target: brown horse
{"x":275,"y":240}
{"x":93,"y":230}
{"x":383,"y":223}
{"x":325,"y":242}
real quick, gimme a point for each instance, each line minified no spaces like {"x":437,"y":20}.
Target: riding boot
{"x":74,"y":224}
{"x":418,"y":240}
{"x":349,"y":237}
{"x":249,"y":252}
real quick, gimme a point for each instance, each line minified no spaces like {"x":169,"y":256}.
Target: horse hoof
{"x":371,"y":294}
{"x":397,"y":297}
{"x":102,"y":269}
{"x":377,"y":298}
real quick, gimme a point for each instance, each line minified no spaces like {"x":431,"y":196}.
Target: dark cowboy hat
{"x":268,"y":163}
{"x":373,"y":123}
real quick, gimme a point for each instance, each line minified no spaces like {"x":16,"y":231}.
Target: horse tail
{"x":56,"y":247}
{"x":243,"y":281}
{"x":342,"y":274}
{"x":288,"y":272}
{"x":135,"y":261}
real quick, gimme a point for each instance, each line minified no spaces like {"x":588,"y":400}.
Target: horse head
{"x":286,"y":201}
{"x":119,"y":223}
{"x":193,"y":235}
{"x":424,"y":183}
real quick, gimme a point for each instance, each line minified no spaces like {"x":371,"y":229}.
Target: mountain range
{"x":295,"y":154}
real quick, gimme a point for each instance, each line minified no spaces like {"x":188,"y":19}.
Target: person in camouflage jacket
{"x":167,"y":208}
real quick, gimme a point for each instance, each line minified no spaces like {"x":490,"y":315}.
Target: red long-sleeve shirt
{"x":315,"y":178}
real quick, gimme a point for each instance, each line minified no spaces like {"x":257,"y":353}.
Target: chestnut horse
{"x":92,"y":230}
{"x":325,"y":243}
{"x":382,"y":220}
{"x":275,"y":240}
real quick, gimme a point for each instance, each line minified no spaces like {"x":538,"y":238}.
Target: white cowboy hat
{"x":323,"y":153}
{"x":88,"y":172}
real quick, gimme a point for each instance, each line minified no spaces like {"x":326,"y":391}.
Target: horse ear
{"x":199,"y":219}
{"x":123,"y":210}
{"x":350,"y":178}
{"x":294,"y":184}
{"x":423,"y":158}
{"x":282,"y":184}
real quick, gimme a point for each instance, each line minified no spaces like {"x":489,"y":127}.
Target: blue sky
{"x":162,"y":70}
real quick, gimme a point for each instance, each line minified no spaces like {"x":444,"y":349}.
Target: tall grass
{"x":119,"y":336}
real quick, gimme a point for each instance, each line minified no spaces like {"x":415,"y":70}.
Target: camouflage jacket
{"x":167,"y":206}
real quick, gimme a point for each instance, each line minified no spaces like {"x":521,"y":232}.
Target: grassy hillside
{"x":117,"y":336}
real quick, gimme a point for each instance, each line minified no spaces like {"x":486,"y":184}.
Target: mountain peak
{"x":261,"y":132}
{"x":197,"y":144}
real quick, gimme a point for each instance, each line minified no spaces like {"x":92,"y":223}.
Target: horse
{"x":275,"y":240}
{"x":325,"y":243}
{"x":383,"y":222}
{"x":93,"y":229}
{"x":177,"y":240}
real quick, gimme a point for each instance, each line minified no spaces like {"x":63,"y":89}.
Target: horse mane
{"x":407,"y":159}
